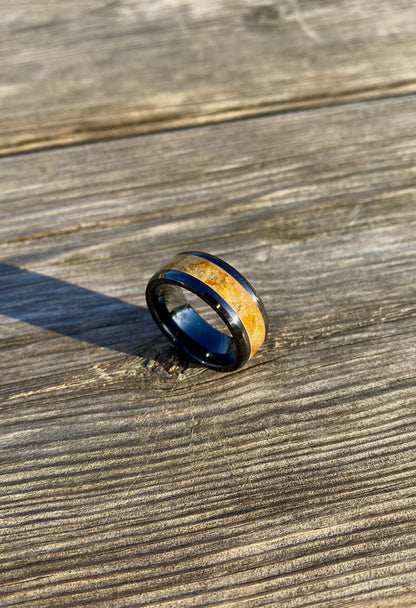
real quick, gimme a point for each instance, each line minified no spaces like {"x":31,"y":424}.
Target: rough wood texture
{"x":132,"y":478}
{"x":129,"y":476}
{"x":91,"y":70}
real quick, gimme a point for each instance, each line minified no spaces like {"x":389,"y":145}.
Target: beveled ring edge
{"x":211,"y":297}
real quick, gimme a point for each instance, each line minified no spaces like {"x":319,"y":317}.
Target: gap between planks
{"x":179,"y":121}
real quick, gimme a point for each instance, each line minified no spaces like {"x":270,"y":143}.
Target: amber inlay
{"x":230,"y":290}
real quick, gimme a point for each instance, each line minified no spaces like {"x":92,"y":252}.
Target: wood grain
{"x":96,"y":69}
{"x":130,"y":477}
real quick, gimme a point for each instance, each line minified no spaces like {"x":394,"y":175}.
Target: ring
{"x":177,"y":297}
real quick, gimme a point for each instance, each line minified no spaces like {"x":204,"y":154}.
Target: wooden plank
{"x":130,"y":477}
{"x":108,"y":69}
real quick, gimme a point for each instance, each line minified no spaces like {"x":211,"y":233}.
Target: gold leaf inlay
{"x":230,"y":290}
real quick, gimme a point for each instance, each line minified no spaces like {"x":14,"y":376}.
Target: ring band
{"x":226,"y":291}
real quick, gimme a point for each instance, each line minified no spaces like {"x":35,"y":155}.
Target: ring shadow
{"x":76,"y":312}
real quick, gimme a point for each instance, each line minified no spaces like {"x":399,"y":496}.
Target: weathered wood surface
{"x":130,"y":477}
{"x":90,"y":70}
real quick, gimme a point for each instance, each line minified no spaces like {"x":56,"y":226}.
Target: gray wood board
{"x":90,"y":70}
{"x":132,"y":477}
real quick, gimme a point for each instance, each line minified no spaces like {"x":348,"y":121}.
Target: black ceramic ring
{"x":226,"y":291}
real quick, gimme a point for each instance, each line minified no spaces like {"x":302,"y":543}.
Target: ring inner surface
{"x":197,"y":335}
